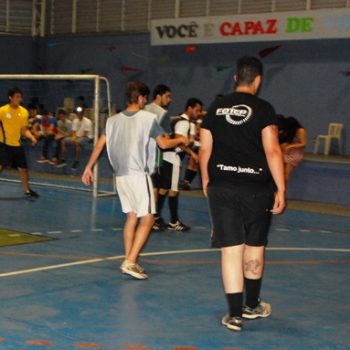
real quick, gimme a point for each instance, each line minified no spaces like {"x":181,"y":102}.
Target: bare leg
{"x":253,"y":262}
{"x":24,"y":176}
{"x":140,"y":238}
{"x":129,"y":232}
{"x":288,"y":171}
{"x":232,"y":268}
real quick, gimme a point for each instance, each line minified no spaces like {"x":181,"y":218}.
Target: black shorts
{"x":12,"y":156}
{"x":156,"y":178}
{"x":240,"y":215}
{"x":169,"y":176}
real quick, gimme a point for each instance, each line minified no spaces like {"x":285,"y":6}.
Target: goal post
{"x":96,"y":80}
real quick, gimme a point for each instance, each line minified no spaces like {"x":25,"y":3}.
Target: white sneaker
{"x":133,"y":269}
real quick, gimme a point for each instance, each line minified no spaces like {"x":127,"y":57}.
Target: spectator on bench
{"x":81,"y":135}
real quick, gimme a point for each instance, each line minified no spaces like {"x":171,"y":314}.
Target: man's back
{"x":128,"y":135}
{"x":236,"y":122}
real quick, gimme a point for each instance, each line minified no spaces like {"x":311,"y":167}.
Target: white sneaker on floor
{"x":133,"y":269}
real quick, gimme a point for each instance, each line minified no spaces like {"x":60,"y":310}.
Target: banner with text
{"x":301,"y":25}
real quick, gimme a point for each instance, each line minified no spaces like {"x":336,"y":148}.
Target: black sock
{"x":160,"y":203}
{"x":235,"y":301}
{"x":173,"y":206}
{"x":252,"y":288}
{"x":189,"y":175}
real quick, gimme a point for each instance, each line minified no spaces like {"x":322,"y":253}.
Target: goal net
{"x":52,"y":93}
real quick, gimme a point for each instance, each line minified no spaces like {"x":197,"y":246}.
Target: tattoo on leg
{"x":252,"y":266}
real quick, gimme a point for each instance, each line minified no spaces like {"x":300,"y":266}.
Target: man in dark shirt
{"x":242,"y":175}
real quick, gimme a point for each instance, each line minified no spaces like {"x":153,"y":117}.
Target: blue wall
{"x":307,"y":79}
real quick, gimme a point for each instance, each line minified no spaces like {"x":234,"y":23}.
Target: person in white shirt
{"x":161,"y":101}
{"x":81,"y":135}
{"x":170,"y":171}
{"x":127,"y":138}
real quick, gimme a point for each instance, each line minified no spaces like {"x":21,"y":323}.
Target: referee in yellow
{"x":14,"y":125}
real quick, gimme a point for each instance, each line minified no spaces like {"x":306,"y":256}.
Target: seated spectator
{"x":81,"y":135}
{"x":292,"y":137}
{"x":47,"y":132}
{"x":64,"y":131}
{"x":34,"y":121}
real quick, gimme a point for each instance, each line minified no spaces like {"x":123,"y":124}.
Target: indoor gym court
{"x":68,"y":292}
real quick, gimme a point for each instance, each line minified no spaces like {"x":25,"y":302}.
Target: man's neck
{"x":133,"y":107}
{"x":14,"y":106}
{"x":246,"y":89}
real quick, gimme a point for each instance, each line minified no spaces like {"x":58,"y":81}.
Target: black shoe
{"x":185,"y":185}
{"x":178,"y":226}
{"x":232,"y":323}
{"x":75,"y":165}
{"x":31,"y":194}
{"x":159,"y":225}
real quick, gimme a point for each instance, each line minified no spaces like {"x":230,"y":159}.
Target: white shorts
{"x":136,"y":194}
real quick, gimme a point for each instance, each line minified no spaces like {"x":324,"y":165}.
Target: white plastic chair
{"x":334,"y":133}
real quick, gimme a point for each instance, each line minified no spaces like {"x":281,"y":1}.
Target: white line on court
{"x":53,"y":232}
{"x":169,"y":252}
{"x":75,"y":230}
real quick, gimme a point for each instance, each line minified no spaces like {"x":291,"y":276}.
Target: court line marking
{"x":168,"y":252}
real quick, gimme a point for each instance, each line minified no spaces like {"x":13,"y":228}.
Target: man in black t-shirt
{"x":242,"y":175}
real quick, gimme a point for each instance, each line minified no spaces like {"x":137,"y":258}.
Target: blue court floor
{"x":68,"y":293}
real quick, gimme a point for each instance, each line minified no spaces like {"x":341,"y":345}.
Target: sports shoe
{"x":185,"y":185}
{"x":133,"y":269}
{"x":232,"y":323}
{"x":61,"y":163}
{"x":262,"y":310}
{"x":42,"y":160}
{"x":178,"y":226}
{"x":31,"y":194}
{"x":159,"y":225}
{"x":75,"y":165}
{"x":53,"y":161}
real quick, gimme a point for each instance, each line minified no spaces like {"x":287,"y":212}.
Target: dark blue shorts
{"x":240,"y":214}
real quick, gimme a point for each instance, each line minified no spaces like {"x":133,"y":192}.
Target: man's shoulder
{"x":4,"y":107}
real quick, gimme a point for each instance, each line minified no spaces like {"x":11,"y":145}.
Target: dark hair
{"x":248,"y":68}
{"x":134,"y":89}
{"x":160,"y":90}
{"x":289,"y":129}
{"x":192,"y":102}
{"x":62,"y":111}
{"x":14,"y":91}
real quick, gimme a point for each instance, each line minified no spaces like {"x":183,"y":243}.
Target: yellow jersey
{"x":12,"y":120}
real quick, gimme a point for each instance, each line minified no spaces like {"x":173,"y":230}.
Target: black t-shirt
{"x":235,"y":122}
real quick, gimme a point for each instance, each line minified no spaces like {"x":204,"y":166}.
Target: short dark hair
{"x":62,"y":111}
{"x":192,"y":102}
{"x":14,"y":91}
{"x":134,"y":89}
{"x":248,"y":68}
{"x":160,"y":90}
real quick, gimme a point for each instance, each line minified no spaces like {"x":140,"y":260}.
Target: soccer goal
{"x":54,"y":92}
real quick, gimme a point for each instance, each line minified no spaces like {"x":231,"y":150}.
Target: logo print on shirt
{"x":236,"y":115}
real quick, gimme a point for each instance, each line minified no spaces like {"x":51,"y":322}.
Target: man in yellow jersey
{"x":14,"y":125}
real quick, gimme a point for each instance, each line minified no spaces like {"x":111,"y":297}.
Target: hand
{"x":87,"y":178}
{"x":34,"y":141}
{"x":184,"y":140}
{"x":280,"y":203}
